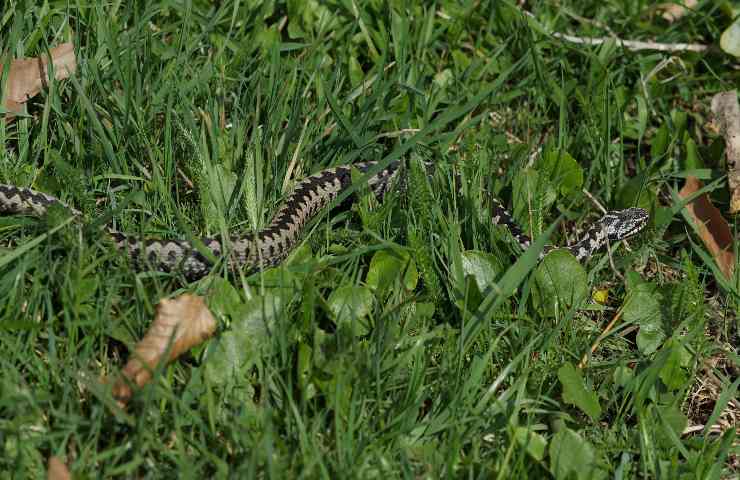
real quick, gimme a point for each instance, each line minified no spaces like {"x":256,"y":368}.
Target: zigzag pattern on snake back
{"x":272,"y":244}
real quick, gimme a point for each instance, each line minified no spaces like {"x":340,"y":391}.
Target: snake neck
{"x":590,"y":243}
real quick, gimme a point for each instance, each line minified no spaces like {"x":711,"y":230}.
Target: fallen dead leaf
{"x":27,"y":76}
{"x":57,"y":469}
{"x":677,"y":10}
{"x":727,"y":114}
{"x":180,"y":324}
{"x":711,"y":226}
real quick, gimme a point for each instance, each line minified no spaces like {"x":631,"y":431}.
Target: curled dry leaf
{"x":57,"y":469}
{"x":727,"y":114}
{"x":179,"y":325}
{"x":711,"y":226}
{"x":28,"y":76}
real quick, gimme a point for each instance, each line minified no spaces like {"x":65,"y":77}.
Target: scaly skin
{"x":271,"y":245}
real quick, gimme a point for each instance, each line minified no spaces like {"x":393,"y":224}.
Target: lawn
{"x":406,"y":336}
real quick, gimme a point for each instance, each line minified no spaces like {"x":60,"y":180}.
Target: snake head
{"x":620,"y":224}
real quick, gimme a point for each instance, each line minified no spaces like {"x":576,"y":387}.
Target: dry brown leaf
{"x":711,"y":225}
{"x":675,"y":11}
{"x":28,"y":76}
{"x":179,"y":325}
{"x":57,"y":469}
{"x":727,"y":114}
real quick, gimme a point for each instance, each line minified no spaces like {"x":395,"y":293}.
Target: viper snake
{"x":272,"y":244}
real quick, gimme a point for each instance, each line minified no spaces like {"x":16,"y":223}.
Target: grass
{"x":404,"y":338}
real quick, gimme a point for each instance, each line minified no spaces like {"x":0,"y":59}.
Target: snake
{"x":272,"y":244}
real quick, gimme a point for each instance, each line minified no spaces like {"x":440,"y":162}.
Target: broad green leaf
{"x":662,"y":218}
{"x":470,"y":296}
{"x":301,"y":255}
{"x":296,"y":11}
{"x":280,"y":281}
{"x":484,"y":267}
{"x":267,"y":38}
{"x":461,"y":60}
{"x":650,"y":336}
{"x":223,"y":299}
{"x":533,"y":442}
{"x":671,"y":418}
{"x":637,"y":192}
{"x":387,"y":266}
{"x":511,"y":279}
{"x":693,"y":159}
{"x":572,"y":457}
{"x":419,"y":314}
{"x":632,"y":279}
{"x":350,"y":304}
{"x":232,"y":355}
{"x":659,"y":143}
{"x":238,"y":348}
{"x":642,"y":307}
{"x":623,"y":375}
{"x":563,"y":171}
{"x":680,"y":120}
{"x":673,"y":374}
{"x":575,"y":393}
{"x":560,"y":282}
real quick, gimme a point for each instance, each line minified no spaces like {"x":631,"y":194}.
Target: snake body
{"x":272,"y":244}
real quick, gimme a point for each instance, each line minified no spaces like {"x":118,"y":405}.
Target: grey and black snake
{"x":272,"y":244}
